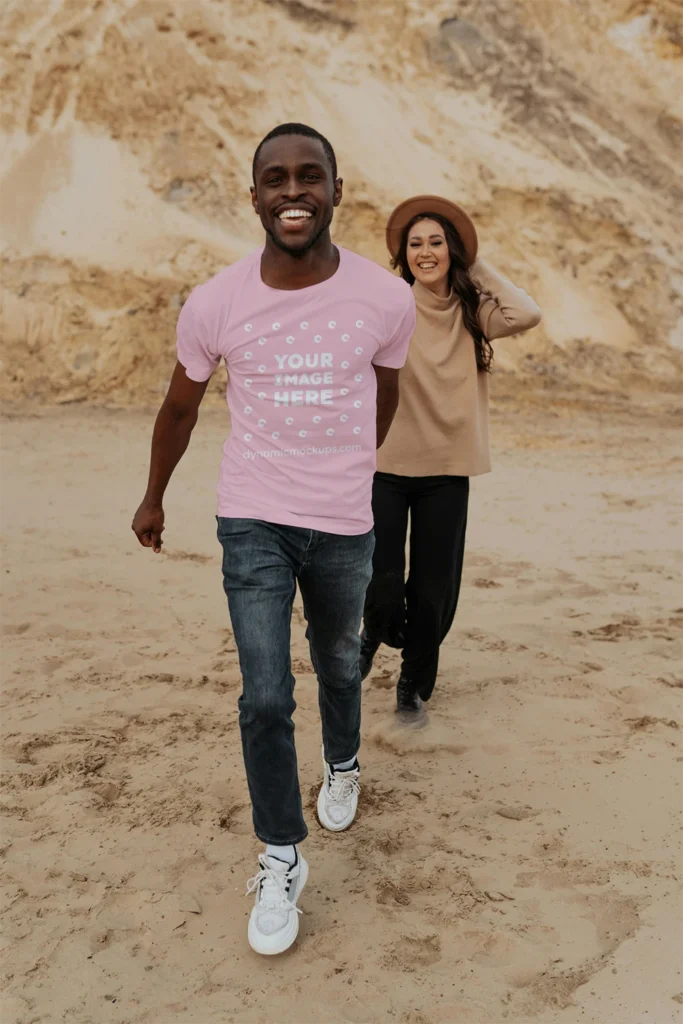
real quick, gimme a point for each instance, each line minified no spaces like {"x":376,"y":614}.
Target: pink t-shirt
{"x":301,"y":387}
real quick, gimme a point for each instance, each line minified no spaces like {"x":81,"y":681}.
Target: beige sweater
{"x":441,"y":426}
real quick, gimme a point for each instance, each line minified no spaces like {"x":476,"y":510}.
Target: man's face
{"x":295,"y":193}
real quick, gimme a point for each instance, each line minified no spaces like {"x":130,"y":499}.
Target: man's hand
{"x":174,"y":425}
{"x":148,"y":525}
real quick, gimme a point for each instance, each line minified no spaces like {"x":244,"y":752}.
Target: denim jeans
{"x":262,"y":563}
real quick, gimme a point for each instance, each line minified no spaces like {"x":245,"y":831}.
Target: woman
{"x":439,"y":438}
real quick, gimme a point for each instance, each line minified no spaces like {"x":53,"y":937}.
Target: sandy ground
{"x":516,"y":860}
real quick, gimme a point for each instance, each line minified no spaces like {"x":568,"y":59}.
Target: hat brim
{"x":410,"y":208}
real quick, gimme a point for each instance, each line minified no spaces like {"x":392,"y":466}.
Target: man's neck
{"x":289,"y":271}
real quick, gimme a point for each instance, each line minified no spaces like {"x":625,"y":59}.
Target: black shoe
{"x":425,"y":693}
{"x":408,"y":704}
{"x":368,"y":650}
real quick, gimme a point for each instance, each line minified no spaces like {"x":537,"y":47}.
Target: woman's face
{"x":428,"y":256}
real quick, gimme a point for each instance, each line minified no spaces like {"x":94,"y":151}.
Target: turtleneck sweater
{"x":441,"y":426}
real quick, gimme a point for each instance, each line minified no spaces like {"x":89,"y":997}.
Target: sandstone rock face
{"x":129,"y":128}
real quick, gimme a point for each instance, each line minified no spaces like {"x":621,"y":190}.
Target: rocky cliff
{"x":129,"y":129}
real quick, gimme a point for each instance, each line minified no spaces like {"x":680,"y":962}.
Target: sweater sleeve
{"x":504,"y":308}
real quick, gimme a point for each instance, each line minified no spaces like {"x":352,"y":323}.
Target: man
{"x":313,"y":337}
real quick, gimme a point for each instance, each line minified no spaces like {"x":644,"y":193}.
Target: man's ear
{"x":254,"y":199}
{"x":338,"y":191}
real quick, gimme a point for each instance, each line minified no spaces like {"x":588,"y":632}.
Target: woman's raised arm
{"x":505,"y":309}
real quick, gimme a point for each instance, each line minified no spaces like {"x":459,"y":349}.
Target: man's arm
{"x":387,"y":400}
{"x":174,"y":425}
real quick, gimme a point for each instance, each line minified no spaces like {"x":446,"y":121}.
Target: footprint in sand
{"x":16,"y":1008}
{"x":516,"y":813}
{"x":412,"y":952}
{"x":520,"y":960}
{"x":18,"y":630}
{"x":390,"y":893}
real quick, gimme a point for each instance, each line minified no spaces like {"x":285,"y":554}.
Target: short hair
{"x":292,"y":128}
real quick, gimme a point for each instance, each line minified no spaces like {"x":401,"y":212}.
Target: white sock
{"x":344,"y":766}
{"x":285,"y":853}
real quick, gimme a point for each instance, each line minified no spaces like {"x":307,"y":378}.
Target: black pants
{"x":416,"y":615}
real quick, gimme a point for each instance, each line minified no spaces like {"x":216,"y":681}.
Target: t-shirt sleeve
{"x":196,"y":350}
{"x":394,"y":351}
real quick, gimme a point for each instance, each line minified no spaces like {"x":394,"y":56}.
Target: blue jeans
{"x":262,"y":563}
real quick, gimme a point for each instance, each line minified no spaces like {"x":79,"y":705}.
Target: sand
{"x":518,"y":859}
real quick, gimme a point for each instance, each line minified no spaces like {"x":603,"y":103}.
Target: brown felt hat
{"x":408,"y":209}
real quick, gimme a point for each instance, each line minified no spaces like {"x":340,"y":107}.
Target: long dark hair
{"x":459,"y":279}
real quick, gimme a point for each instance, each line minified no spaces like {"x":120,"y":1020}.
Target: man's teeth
{"x":294,"y":214}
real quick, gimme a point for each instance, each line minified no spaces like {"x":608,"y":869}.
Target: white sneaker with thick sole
{"x":338,"y":798}
{"x":274,"y":921}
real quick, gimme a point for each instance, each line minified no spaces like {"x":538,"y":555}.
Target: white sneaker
{"x":338,"y":798}
{"x":274,"y":921}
